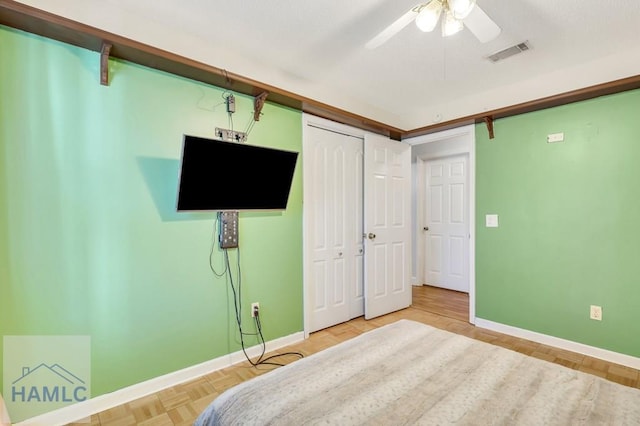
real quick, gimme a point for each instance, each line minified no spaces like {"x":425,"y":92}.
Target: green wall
{"x":569,"y":213}
{"x":90,"y":243}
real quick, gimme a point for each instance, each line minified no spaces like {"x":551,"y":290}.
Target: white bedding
{"x":409,"y":373}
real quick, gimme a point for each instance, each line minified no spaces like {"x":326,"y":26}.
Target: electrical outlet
{"x":255,"y":308}
{"x":595,"y":313}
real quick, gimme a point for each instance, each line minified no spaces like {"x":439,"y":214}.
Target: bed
{"x":407,"y":373}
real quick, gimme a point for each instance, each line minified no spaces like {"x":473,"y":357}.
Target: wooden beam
{"x":27,"y":18}
{"x":489,"y":122}
{"x":36,"y":21}
{"x":104,"y":63}
{"x":591,"y":92}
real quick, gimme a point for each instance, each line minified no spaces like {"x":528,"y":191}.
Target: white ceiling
{"x":316,"y":49}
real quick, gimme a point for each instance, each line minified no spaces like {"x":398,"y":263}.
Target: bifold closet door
{"x":333,"y":173}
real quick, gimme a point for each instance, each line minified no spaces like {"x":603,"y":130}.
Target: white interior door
{"x":446,"y":223}
{"x":333,"y":185}
{"x":387,"y":170}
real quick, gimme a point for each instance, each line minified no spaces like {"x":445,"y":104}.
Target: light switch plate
{"x":491,"y":221}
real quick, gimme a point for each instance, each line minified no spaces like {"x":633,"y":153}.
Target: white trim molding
{"x":604,"y":354}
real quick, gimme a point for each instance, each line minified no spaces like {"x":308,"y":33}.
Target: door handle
{"x":371,"y":236}
{"x":426,"y":228}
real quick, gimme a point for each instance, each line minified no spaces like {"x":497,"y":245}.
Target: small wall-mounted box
{"x":555,"y":137}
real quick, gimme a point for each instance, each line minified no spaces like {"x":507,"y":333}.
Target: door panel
{"x":387,"y":168}
{"x":333,"y":208}
{"x":447,"y":223}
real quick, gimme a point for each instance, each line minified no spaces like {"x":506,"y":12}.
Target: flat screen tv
{"x":217,"y":175}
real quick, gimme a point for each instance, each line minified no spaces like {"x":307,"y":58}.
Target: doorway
{"x":429,"y":149}
{"x":440,"y":301}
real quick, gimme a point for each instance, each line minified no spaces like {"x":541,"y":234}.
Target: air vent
{"x":509,"y":51}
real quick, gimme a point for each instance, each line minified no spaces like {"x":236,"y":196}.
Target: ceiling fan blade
{"x":392,"y":29}
{"x":481,"y":25}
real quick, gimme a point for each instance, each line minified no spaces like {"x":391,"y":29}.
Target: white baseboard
{"x":610,"y":356}
{"x":84,"y":409}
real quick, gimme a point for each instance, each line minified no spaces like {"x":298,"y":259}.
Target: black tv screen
{"x":216,"y":176}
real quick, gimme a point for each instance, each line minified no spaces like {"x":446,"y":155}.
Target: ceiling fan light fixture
{"x":451,"y":25}
{"x":428,"y":16}
{"x":460,"y":9}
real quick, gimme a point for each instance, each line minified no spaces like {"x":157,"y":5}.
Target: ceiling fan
{"x":426,"y":16}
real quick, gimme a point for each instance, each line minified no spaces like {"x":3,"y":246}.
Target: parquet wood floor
{"x":180,"y":405}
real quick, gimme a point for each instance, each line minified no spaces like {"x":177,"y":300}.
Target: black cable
{"x":216,"y":238}
{"x":237,"y":304}
{"x":266,"y":360}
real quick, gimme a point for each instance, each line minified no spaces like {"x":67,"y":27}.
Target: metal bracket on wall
{"x":489,"y":122}
{"x":104,"y":63}
{"x":258,"y":103}
{"x":230,"y":135}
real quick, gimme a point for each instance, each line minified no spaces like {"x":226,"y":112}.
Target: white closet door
{"x":347,"y":183}
{"x":333,"y":185}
